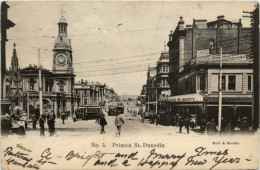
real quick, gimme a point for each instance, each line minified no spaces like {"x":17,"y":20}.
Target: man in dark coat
{"x":41,"y":122}
{"x":203,"y":126}
{"x":63,"y":117}
{"x":102,"y":123}
{"x":187,"y":124}
{"x":51,"y":125}
{"x":180,"y":124}
{"x":211,"y":127}
{"x":244,"y":125}
{"x":34,"y":121}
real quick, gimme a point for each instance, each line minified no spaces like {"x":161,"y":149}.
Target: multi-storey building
{"x":162,"y":76}
{"x":195,"y":64}
{"x":90,"y":93}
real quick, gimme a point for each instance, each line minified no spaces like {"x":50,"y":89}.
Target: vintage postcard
{"x":129,"y":85}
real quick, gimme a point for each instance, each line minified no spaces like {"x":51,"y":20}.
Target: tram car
{"x":89,"y":112}
{"x":120,"y":109}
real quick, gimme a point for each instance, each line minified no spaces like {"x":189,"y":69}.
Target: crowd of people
{"x":191,"y":121}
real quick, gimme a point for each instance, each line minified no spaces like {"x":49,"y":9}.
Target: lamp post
{"x":53,"y":99}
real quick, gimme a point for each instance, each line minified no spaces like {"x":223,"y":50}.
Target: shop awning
{"x":187,"y":98}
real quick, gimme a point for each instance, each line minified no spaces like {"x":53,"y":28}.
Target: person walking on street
{"x":63,"y":117}
{"x":244,"y":125}
{"x":51,"y":125}
{"x":119,"y":121}
{"x":180,"y":124}
{"x":34,"y":120}
{"x":187,"y":124}
{"x":41,"y":122}
{"x":102,"y":123}
{"x":211,"y":127}
{"x":203,"y":126}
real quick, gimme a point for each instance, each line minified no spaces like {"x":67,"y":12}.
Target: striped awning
{"x":187,"y":98}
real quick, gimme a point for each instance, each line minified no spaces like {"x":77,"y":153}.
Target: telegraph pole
{"x":220,"y":93}
{"x":40,"y":81}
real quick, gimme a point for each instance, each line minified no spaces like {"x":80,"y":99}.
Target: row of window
{"x":229,"y":83}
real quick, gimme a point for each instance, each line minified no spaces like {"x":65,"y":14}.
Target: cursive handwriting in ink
{"x":46,"y":157}
{"x":97,"y":155}
{"x":224,"y":160}
{"x":19,"y":159}
{"x":161,"y":160}
{"x":20,"y":146}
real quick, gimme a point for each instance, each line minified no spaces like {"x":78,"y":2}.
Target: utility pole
{"x":40,"y":81}
{"x":156,"y":106}
{"x":28,"y":112}
{"x":220,"y":93}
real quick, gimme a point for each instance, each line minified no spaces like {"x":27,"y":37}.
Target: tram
{"x":89,"y":112}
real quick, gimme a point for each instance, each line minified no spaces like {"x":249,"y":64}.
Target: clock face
{"x":61,"y":59}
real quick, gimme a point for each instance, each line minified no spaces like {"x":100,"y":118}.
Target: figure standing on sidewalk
{"x":102,"y":123}
{"x":119,"y":121}
{"x":63,"y":117}
{"x":41,"y":122}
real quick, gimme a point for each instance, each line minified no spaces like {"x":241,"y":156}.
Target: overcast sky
{"x":112,"y":42}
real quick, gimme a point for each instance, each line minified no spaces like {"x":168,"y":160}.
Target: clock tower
{"x":62,"y":69}
{"x":62,"y":57}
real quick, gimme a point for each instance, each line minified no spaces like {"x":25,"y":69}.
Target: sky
{"x":112,"y":42}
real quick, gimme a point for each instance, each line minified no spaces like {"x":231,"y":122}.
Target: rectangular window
{"x":231,"y":82}
{"x":85,"y":100}
{"x":187,"y":82}
{"x":223,"y":83}
{"x":61,"y":88}
{"x":193,"y":84}
{"x":249,"y":83}
{"x":202,"y":83}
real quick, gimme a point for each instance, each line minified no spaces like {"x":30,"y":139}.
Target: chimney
{"x":181,"y":24}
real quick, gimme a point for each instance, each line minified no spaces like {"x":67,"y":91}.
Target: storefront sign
{"x":183,"y":100}
{"x":228,"y":99}
{"x":226,"y":58}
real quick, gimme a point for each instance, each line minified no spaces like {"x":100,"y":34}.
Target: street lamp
{"x":53,"y":99}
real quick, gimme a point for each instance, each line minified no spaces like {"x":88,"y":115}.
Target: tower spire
{"x":62,"y":11}
{"x":14,"y":45}
{"x":164,"y":45}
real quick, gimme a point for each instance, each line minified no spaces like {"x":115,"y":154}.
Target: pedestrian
{"x":74,"y":117}
{"x":34,"y":121}
{"x":119,"y":121}
{"x":229,"y":128}
{"x":41,"y":122}
{"x":180,"y":123}
{"x":244,"y":125}
{"x":63,"y":117}
{"x":211,"y":127}
{"x":102,"y":123}
{"x":51,"y":125}
{"x":48,"y":122}
{"x":187,"y":124}
{"x":203,"y":126}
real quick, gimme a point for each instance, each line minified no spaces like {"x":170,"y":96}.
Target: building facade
{"x":195,"y":66}
{"x":162,"y":76}
{"x":90,"y":93}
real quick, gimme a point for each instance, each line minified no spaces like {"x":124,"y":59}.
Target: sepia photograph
{"x":129,"y":85}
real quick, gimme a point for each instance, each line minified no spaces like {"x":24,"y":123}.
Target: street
{"x":133,"y":127}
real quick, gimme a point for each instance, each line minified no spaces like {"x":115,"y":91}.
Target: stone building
{"x":14,"y":82}
{"x":162,"y":76}
{"x":185,"y":41}
{"x":195,"y":64}
{"x":90,"y":93}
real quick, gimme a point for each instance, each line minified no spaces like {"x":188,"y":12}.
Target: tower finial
{"x":164,"y":45}
{"x":62,"y":11}
{"x":14,"y":45}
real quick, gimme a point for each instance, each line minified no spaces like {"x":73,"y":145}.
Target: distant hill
{"x":126,"y":96}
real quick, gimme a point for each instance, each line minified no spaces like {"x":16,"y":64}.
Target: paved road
{"x":132,"y":127}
